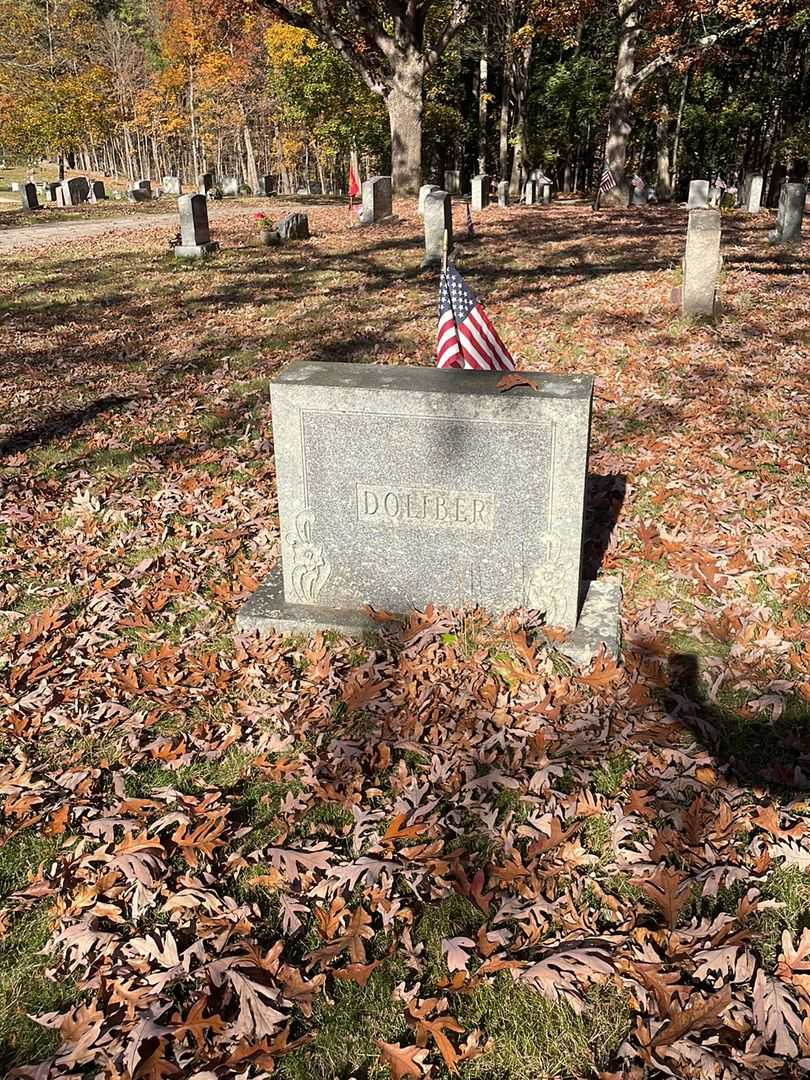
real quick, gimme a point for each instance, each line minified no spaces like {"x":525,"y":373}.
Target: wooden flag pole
{"x":445,"y":244}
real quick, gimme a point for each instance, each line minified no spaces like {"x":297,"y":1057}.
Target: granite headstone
{"x":482,"y":504}
{"x":503,"y":193}
{"x":230,"y":186}
{"x":28,"y":197}
{"x":377,"y":195}
{"x":195,"y":232}
{"x":698,"y":195}
{"x":701,"y":262}
{"x":480,"y":192}
{"x":438,"y":216}
{"x":452,"y":181}
{"x":424,"y":191}
{"x":171,"y":185}
{"x":789,"y":215}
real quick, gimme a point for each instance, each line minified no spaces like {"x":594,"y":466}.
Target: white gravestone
{"x":195,"y":233}
{"x":376,"y":200}
{"x":438,"y":215}
{"x":424,"y":191}
{"x":480,"y":192}
{"x":698,"y":195}
{"x":701,"y":263}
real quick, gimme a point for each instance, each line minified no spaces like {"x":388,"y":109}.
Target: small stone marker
{"x":789,"y":215}
{"x":438,"y":215}
{"x":205,"y":183}
{"x":503,"y":193}
{"x":139,"y":194}
{"x":171,"y":185}
{"x":293,"y":227}
{"x":481,"y":505}
{"x":701,"y":262}
{"x":698,"y":195}
{"x":28,"y":197}
{"x":144,"y":185}
{"x":74,"y":191}
{"x":376,"y":200}
{"x":267,"y":185}
{"x":480,"y":192}
{"x":452,"y":181}
{"x":51,"y":188}
{"x":97,"y":191}
{"x":530,"y":192}
{"x":230,"y":186}
{"x":638,"y":196}
{"x":195,"y":233}
{"x":424,"y":191}
{"x":752,"y":193}
{"x":15,"y":185}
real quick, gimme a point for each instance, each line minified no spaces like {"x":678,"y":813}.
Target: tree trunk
{"x":676,"y":146}
{"x":663,"y":188}
{"x":252,"y":173}
{"x":506,"y":97}
{"x":483,"y":74}
{"x":404,"y":104}
{"x":522,"y":62}
{"x":619,"y":127}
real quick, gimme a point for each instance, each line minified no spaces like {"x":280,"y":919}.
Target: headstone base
{"x":195,"y":251}
{"x":267,"y":610}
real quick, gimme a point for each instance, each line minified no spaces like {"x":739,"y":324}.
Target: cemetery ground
{"x":437,"y":849}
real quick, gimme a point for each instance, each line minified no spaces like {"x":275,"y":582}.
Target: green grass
{"x":222,"y":773}
{"x":789,"y":886}
{"x":348,"y":1027}
{"x":534,"y":1038}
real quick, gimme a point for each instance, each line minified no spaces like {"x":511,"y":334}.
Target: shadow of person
{"x":768,"y":748}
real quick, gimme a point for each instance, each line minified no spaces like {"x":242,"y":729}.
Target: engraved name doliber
{"x":382,"y":505}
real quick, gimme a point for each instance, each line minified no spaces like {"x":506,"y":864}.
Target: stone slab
{"x":376,"y":194}
{"x":196,"y":251}
{"x":424,"y":191}
{"x":698,"y":194}
{"x":480,"y":192}
{"x":268,"y":612}
{"x":701,"y":263}
{"x":402,"y":486}
{"x":438,"y":218}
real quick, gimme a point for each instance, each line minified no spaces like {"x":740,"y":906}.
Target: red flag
{"x":354,"y":186}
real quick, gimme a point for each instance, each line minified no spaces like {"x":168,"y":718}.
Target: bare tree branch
{"x":699,"y":45}
{"x":456,"y":21}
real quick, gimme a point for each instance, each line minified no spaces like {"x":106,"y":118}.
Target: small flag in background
{"x":608,"y":181}
{"x":466,"y":338}
{"x":470,"y":229}
{"x":354,"y":186}
{"x":638,"y":183}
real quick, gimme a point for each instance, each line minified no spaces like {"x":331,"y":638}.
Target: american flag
{"x":608,"y":181}
{"x":466,"y":338}
{"x":638,"y":183}
{"x":470,"y":229}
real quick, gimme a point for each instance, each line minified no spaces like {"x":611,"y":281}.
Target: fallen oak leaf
{"x":513,"y":379}
{"x":455,"y":952}
{"x":402,"y":1060}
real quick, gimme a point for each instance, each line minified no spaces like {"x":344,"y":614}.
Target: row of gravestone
{"x":792,"y":201}
{"x":62,"y":192}
{"x":230,"y":186}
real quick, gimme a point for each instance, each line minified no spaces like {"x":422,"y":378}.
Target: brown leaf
{"x":513,"y":379}
{"x":402,"y":1060}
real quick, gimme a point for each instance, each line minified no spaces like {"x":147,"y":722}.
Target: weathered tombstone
{"x":424,"y":191}
{"x":546,"y":192}
{"x":503,"y":193}
{"x":144,"y":185}
{"x":480,"y":192}
{"x":293,"y":227}
{"x":789,"y":216}
{"x":171,"y":185}
{"x":753,"y":193}
{"x":438,"y":215}
{"x":638,"y":195}
{"x":139,"y":194}
{"x":715,"y":195}
{"x":698,"y":195}
{"x":51,"y":188}
{"x":74,"y":191}
{"x":15,"y":185}
{"x":267,"y":185}
{"x":701,"y":263}
{"x":205,"y":183}
{"x":530,"y":192}
{"x":481,"y":505}
{"x":230,"y":186}
{"x":28,"y":197}
{"x":452,"y":181}
{"x":376,"y":200}
{"x":97,"y":192}
{"x":195,"y":233}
